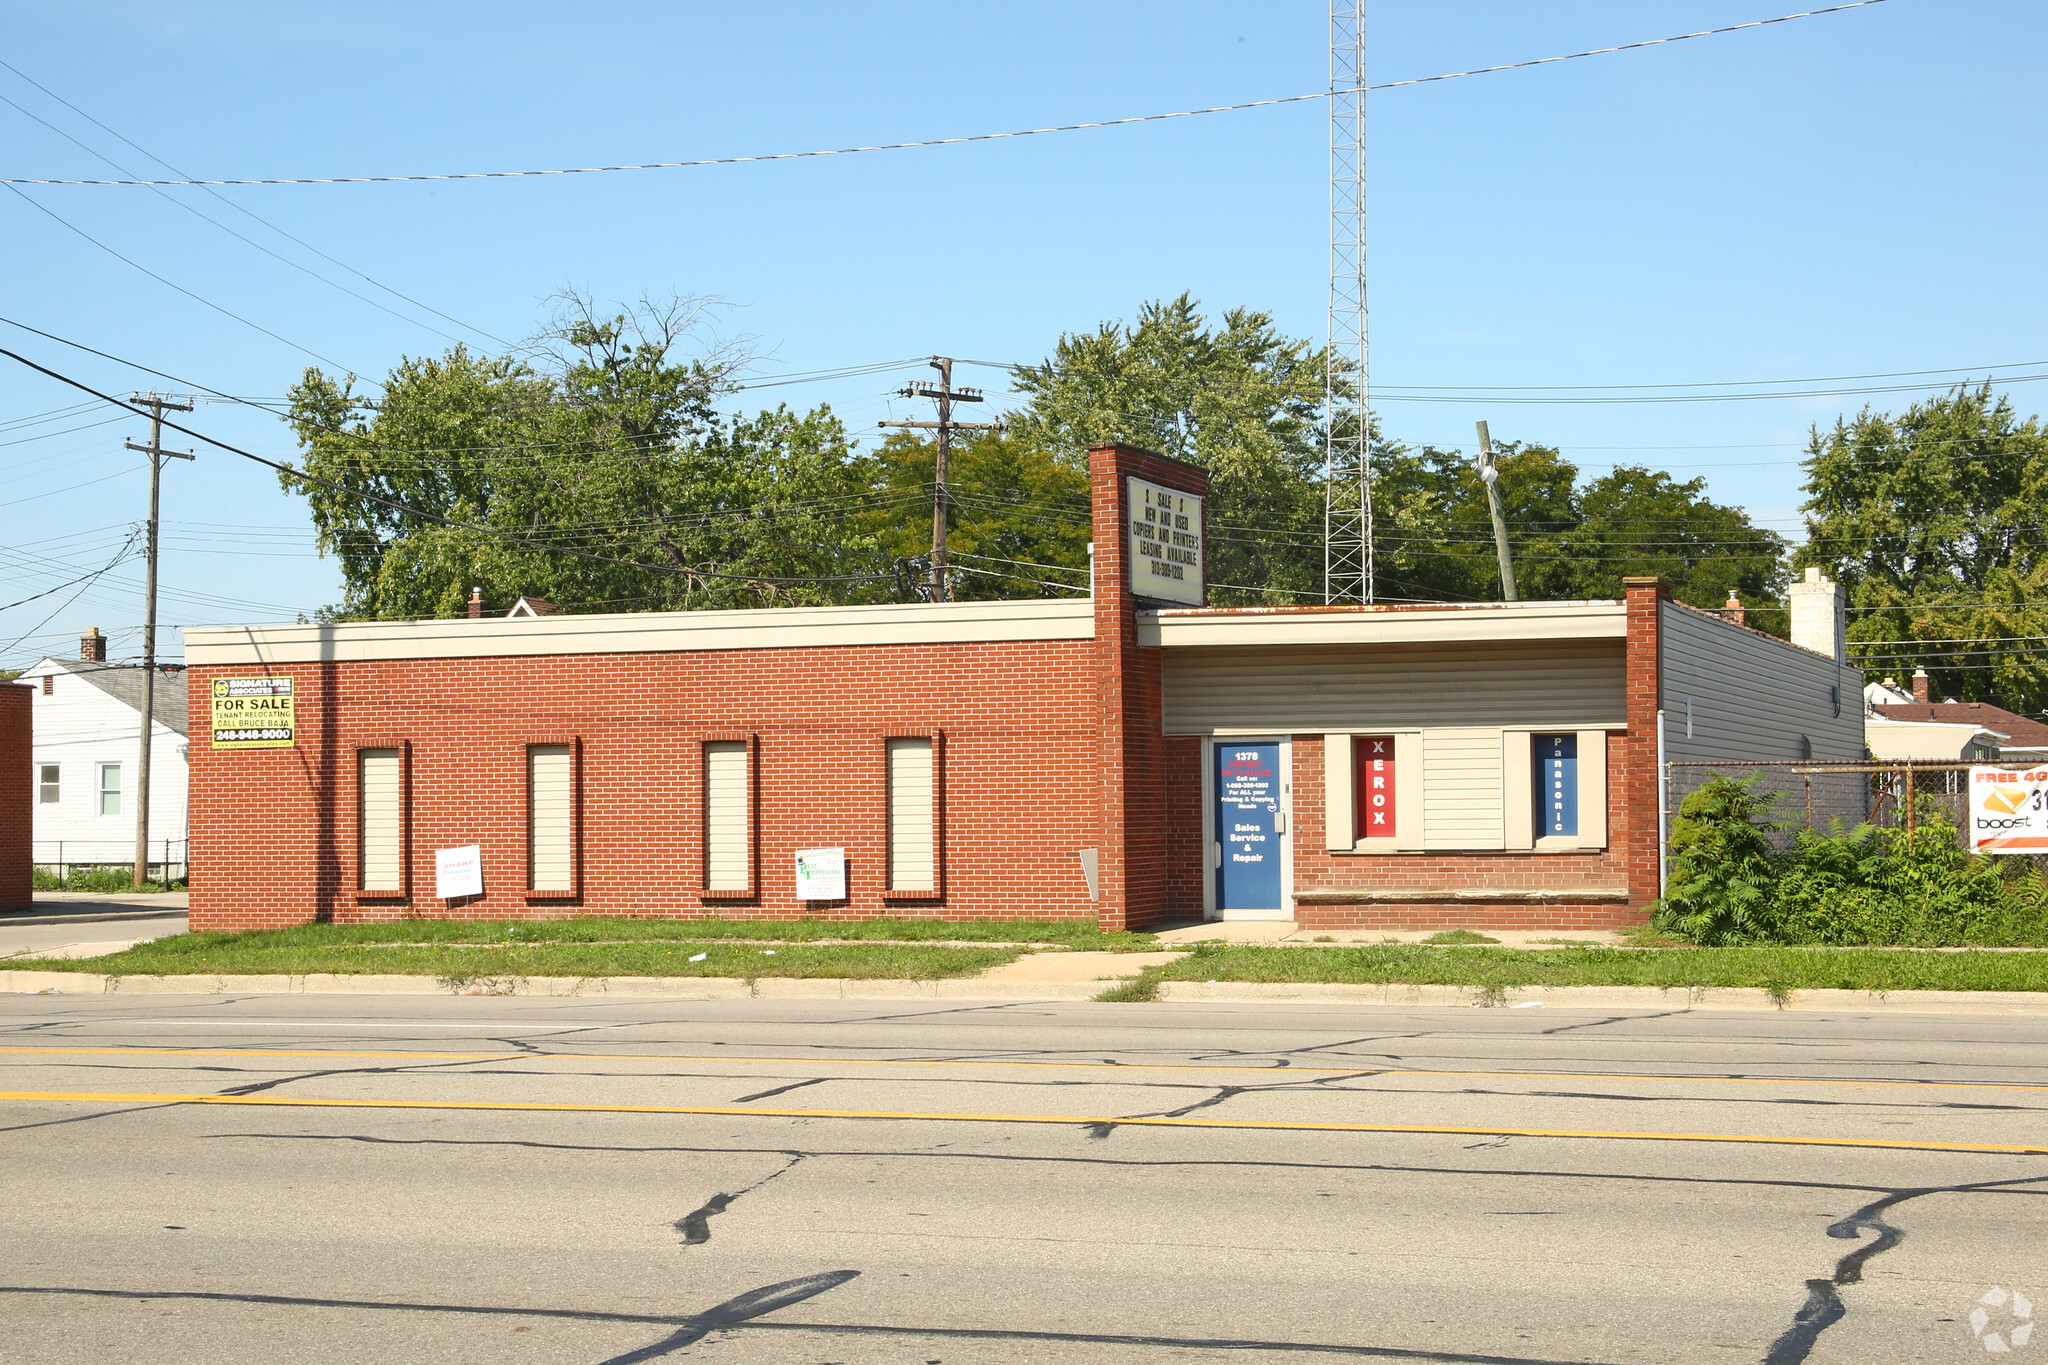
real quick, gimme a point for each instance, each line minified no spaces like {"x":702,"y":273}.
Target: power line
{"x":130,"y":261}
{"x":247,"y":213}
{"x":435,"y":518}
{"x":953,"y":141}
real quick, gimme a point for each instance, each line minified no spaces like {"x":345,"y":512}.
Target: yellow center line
{"x":1070,"y":1120}
{"x":1110,"y":1067}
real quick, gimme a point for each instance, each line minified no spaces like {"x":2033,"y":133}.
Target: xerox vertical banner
{"x":2009,"y":810}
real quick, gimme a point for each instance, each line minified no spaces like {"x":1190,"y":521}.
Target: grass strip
{"x":611,"y":929}
{"x":234,"y":955}
{"x":1770,"y":969}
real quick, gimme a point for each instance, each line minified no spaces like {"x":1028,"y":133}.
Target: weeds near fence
{"x":1866,"y":885}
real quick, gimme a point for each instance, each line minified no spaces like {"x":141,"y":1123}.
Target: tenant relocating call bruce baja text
{"x":253,"y":713}
{"x":1165,"y":553}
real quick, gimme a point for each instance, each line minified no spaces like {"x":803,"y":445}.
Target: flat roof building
{"x":1131,"y":757}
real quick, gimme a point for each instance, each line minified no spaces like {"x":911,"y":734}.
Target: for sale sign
{"x":2009,"y":810}
{"x":253,"y":713}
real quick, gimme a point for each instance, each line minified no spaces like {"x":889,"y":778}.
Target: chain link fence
{"x":1812,"y":796}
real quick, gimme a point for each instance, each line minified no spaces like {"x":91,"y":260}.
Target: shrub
{"x":1724,"y":868}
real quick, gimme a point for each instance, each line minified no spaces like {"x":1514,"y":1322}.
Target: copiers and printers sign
{"x":2009,"y":810}
{"x":1165,"y":553}
{"x":253,"y":713}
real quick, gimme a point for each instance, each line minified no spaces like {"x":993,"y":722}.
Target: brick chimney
{"x":1920,"y":686}
{"x":92,"y":646}
{"x":1733,"y":611}
{"x":476,"y":604}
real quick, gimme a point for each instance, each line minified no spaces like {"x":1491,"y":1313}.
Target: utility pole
{"x":157,"y":405}
{"x":946,"y":396}
{"x":1490,"y":476}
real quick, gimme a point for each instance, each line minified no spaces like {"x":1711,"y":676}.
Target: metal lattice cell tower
{"x":1347,"y":448}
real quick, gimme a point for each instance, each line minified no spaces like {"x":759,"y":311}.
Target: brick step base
{"x":1563,"y":917}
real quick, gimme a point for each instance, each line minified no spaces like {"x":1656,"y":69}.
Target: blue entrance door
{"x":1248,"y":825}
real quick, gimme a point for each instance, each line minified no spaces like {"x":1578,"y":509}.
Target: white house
{"x":87,"y":755}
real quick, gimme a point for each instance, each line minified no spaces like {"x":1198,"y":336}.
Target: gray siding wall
{"x":1311,"y":688}
{"x":1753,"y":696}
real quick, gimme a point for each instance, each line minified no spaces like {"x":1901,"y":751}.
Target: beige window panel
{"x":727,"y":839}
{"x":551,"y":817}
{"x":380,"y":778}
{"x":913,"y":810}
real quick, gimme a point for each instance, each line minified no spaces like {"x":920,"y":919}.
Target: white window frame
{"x":1518,"y":773}
{"x":103,"y":791}
{"x":49,"y":784}
{"x":1339,"y":808}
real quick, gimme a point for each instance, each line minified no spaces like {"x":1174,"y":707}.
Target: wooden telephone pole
{"x":157,"y":405}
{"x":946,"y":396}
{"x":1489,"y":474}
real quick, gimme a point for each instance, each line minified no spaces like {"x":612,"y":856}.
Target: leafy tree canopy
{"x":592,"y":471}
{"x":1933,"y":521}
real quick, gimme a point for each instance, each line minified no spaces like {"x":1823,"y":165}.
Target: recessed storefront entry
{"x":1249,"y":825}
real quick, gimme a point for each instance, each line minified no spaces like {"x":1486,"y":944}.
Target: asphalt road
{"x":833,"y":1182}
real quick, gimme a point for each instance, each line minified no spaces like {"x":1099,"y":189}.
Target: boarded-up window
{"x":381,"y":819}
{"x":1463,"y":796}
{"x":912,"y":815}
{"x":727,"y":841}
{"x":551,"y":817}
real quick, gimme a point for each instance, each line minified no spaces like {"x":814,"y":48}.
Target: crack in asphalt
{"x":746,"y":1312}
{"x":1222,"y":1093}
{"x":696,"y":1224}
{"x":1824,"y":1307}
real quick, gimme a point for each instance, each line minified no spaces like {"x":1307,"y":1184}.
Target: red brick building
{"x":1121,"y":757}
{"x":17,"y":828}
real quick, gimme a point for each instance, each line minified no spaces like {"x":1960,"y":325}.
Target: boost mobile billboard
{"x":2009,"y":810}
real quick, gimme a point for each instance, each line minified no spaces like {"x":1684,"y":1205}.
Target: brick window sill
{"x":382,"y":898}
{"x":534,"y":897}
{"x":729,"y":894}
{"x":913,"y":895}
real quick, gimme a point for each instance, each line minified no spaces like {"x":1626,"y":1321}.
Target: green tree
{"x":1241,"y":400}
{"x":593,"y":471}
{"x":1569,"y":540}
{"x":1932,"y":520}
{"x":1019,"y":522}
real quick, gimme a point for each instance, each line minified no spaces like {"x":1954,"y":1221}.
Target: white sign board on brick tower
{"x":821,"y":874}
{"x":2009,"y":810}
{"x":458,"y":872}
{"x":1164,"y":543}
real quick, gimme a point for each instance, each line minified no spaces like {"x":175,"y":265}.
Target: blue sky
{"x":1852,"y":194}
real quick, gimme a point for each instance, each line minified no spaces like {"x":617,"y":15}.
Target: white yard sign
{"x":2009,"y":810}
{"x":458,"y":872}
{"x":821,"y":874}
{"x":1164,"y":543}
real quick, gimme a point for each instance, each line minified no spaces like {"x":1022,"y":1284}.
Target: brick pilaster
{"x":1639,"y":787}
{"x":1132,"y":758}
{"x":17,"y":811}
